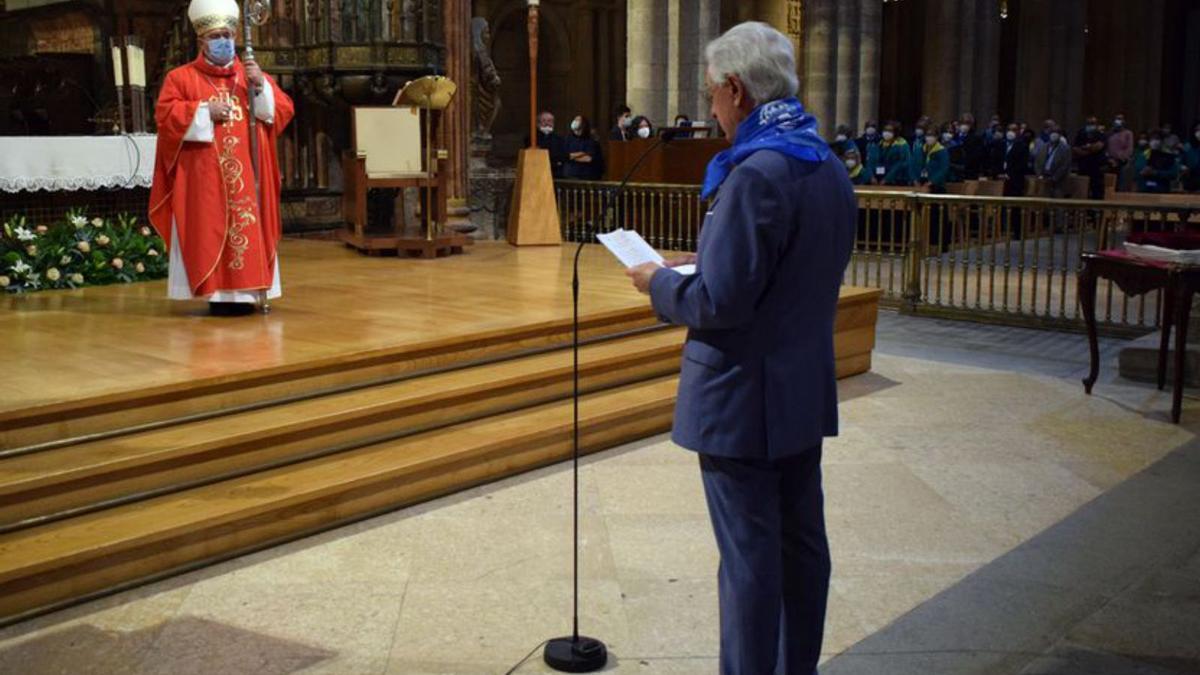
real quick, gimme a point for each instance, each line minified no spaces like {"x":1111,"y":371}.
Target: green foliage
{"x":78,"y":251}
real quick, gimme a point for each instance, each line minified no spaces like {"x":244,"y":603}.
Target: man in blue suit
{"x":758,"y":393}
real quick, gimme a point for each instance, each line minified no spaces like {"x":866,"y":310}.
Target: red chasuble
{"x":228,"y":242}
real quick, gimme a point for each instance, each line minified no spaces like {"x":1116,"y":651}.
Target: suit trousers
{"x":769,"y":521}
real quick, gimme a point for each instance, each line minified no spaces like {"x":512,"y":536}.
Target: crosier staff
{"x":254,"y":13}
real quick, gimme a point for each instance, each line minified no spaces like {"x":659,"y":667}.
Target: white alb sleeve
{"x":201,"y":130}
{"x":264,"y":104}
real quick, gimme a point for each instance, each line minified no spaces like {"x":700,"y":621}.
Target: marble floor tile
{"x":671,"y":618}
{"x":650,"y":489}
{"x":662,"y":546}
{"x":485,"y":627}
{"x":504,"y":548}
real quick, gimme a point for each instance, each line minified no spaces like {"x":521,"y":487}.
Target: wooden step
{"x":59,"y":563}
{"x":69,"y":419}
{"x":88,"y":475}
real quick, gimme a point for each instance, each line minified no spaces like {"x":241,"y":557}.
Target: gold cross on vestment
{"x":223,"y":95}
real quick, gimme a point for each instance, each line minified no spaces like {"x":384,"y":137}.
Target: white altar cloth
{"x":57,"y":163}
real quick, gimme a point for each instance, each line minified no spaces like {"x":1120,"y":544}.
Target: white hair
{"x":760,"y":56}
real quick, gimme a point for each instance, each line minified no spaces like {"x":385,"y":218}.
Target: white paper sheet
{"x":1159,"y":254}
{"x":632,"y":250}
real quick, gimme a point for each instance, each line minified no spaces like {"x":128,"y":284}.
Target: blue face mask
{"x":220,"y":51}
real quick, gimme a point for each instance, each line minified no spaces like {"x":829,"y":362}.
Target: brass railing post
{"x":918,"y":234}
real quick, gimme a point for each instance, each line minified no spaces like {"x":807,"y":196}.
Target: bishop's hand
{"x":255,"y":75}
{"x":219,"y":111}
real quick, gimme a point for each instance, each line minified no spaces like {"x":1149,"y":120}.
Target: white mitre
{"x":207,"y":15}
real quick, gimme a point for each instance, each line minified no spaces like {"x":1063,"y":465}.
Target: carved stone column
{"x":840,"y":71}
{"x":646,"y":58}
{"x":456,"y":22}
{"x":870,"y":31}
{"x":666,"y":57}
{"x":820,"y":79}
{"x":848,"y":53}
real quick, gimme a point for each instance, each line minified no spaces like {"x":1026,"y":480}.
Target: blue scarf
{"x":780,"y":125}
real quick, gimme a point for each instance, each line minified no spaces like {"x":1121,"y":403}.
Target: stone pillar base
{"x":459,"y":216}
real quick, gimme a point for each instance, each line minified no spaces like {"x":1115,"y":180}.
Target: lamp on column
{"x":533,"y":216}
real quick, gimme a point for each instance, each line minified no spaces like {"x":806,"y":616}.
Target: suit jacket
{"x":758,"y":378}
{"x":1059,"y":167}
{"x":1015,"y":165}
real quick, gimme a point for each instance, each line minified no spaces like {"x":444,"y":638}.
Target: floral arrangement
{"x":78,"y":251}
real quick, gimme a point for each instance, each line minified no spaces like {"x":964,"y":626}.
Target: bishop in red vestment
{"x":222,"y":238}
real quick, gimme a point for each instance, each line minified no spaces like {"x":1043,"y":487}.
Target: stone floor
{"x":985,"y":517}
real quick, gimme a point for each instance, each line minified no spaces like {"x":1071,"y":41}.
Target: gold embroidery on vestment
{"x":239,"y":211}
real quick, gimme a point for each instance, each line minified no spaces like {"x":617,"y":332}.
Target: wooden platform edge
{"x":439,"y":353}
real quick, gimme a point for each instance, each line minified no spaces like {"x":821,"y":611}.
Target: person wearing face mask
{"x":854,"y":166}
{"x":1191,"y":161}
{"x":842,"y":142}
{"x":222,"y":238}
{"x":584,"y":158}
{"x":924,"y":123}
{"x":641,"y":127}
{"x":621,"y":130}
{"x":1053,"y":165}
{"x":1043,"y":137}
{"x":993,"y":166}
{"x":1012,"y":161}
{"x":971,"y":153}
{"x":550,"y":141}
{"x":894,"y":157}
{"x":1088,"y":152}
{"x":868,"y":143}
{"x":1156,"y":168}
{"x":916,"y":151}
{"x":1119,"y":149}
{"x":935,"y":164}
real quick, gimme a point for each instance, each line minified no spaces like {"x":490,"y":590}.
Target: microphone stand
{"x":577,"y":653}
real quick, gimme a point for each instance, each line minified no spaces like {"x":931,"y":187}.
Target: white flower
{"x":103,"y":240}
{"x":53,"y":274}
{"x":139,"y":268}
{"x":65,"y":260}
{"x":23,"y":234}
{"x":117,"y":263}
{"x":96,"y":222}
{"x":145,"y":232}
{"x":152,"y":253}
{"x":78,"y":221}
{"x":77,"y":278}
{"x":21,"y":268}
{"x":31,"y":249}
{"x":4,"y":282}
{"x":84,"y":247}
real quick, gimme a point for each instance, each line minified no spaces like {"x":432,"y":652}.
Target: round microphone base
{"x":571,"y":655}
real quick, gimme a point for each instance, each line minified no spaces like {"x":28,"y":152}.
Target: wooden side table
{"x":1136,"y":276}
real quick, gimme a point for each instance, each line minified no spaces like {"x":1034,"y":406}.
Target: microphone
{"x":577,"y":653}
